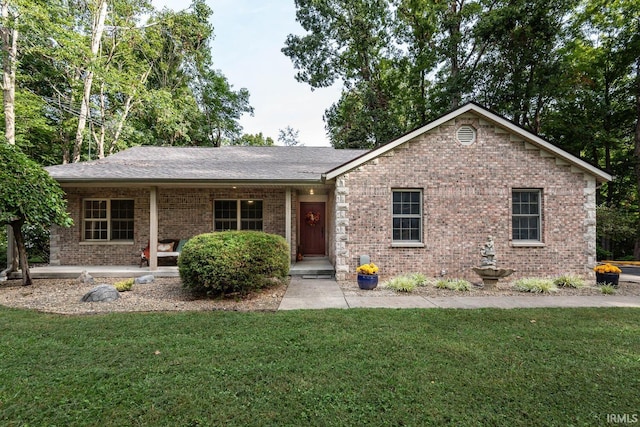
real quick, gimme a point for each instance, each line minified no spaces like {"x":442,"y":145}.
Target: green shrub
{"x":124,"y":285}
{"x":535,"y":285}
{"x":401,"y":284}
{"x":419,"y":279}
{"x":569,"y":281}
{"x":453,"y":284}
{"x":233,"y":262}
{"x":608,"y":289}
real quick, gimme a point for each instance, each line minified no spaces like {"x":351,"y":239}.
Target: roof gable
{"x":484,"y":114}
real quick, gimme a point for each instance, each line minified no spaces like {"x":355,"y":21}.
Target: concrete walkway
{"x":326,"y":293}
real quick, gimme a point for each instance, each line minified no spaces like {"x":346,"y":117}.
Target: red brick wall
{"x":466,"y":197}
{"x":182,"y":213}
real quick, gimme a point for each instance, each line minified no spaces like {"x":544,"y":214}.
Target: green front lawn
{"x":338,"y":367}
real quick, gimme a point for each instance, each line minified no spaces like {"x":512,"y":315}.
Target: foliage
{"x":370,"y":268}
{"x":153,"y":80}
{"x":535,"y":285}
{"x":401,"y":284}
{"x":320,"y":367}
{"x":289,"y":137}
{"x":420,"y":279}
{"x":257,"y":140}
{"x":619,"y":225}
{"x":569,"y":281}
{"x":607,"y":289}
{"x":28,"y":197}
{"x":233,"y":262}
{"x":124,"y":285}
{"x":407,"y":282}
{"x":453,"y":284}
{"x":607,"y":268}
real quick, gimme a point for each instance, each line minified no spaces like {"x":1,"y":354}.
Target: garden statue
{"x":488,"y":270}
{"x":488,"y":252}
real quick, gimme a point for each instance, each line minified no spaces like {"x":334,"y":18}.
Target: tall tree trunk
{"x":16,"y":226}
{"x":127,"y":109}
{"x":9,"y":35}
{"x":96,"y":36}
{"x":637,"y":147}
{"x":10,"y":48}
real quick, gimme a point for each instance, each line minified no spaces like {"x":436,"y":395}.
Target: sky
{"x":249,"y":35}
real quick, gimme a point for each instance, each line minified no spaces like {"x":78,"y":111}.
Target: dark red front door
{"x":312,"y":228}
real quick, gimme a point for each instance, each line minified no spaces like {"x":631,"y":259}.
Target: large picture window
{"x":526,"y":221}
{"x":107,"y":220}
{"x":407,"y":216}
{"x":238,"y":215}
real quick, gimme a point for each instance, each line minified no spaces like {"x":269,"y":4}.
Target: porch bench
{"x":167,"y":248}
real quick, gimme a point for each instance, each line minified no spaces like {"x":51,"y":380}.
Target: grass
{"x":535,"y":285}
{"x":453,"y":284}
{"x":569,"y":281}
{"x":607,"y":289}
{"x":529,"y":367}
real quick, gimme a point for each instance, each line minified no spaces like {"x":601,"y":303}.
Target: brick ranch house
{"x":424,"y":202}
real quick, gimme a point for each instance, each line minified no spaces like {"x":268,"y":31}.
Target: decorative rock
{"x":101,"y":293}
{"x":144,"y":279}
{"x":85,"y":278}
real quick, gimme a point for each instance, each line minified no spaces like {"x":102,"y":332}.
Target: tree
{"x":289,"y":137}
{"x":348,"y":41}
{"x":257,"y":140}
{"x":9,"y":36}
{"x":28,"y":196}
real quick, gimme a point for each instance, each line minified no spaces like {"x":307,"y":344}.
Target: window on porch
{"x":238,"y":215}
{"x":107,"y":220}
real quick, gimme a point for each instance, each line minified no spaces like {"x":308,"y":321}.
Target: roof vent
{"x":466,"y":135}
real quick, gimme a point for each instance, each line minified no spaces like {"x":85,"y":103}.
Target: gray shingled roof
{"x":148,"y":164}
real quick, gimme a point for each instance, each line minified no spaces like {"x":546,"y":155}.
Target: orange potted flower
{"x":607,"y":274}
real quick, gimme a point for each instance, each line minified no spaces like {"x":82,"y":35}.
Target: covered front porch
{"x":309,"y":267}
{"x":74,"y":271}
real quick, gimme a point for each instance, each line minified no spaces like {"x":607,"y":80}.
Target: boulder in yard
{"x":85,"y":278}
{"x":101,"y":293}
{"x":144,"y":279}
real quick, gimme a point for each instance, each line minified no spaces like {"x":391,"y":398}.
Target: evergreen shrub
{"x":233,"y":262}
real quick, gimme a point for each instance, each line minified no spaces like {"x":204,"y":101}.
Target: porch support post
{"x":153,"y":228}
{"x":287,"y":227}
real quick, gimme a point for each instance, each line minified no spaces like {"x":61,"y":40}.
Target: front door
{"x":312,"y":228}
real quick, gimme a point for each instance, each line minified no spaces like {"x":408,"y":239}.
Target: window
{"x":526,"y":215}
{"x":407,"y":216}
{"x":238,"y":215}
{"x":107,"y":220}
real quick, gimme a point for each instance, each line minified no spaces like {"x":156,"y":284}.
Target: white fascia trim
{"x":544,"y":145}
{"x":487,"y":115}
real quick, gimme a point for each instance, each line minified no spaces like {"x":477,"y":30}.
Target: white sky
{"x":249,"y":35}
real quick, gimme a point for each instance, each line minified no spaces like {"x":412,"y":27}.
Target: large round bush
{"x":233,"y":261}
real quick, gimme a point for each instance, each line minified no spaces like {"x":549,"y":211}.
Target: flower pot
{"x":607,"y":278}
{"x":367,"y":281}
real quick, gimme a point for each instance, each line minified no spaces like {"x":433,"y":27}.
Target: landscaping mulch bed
{"x":63,"y":296}
{"x":504,"y":288}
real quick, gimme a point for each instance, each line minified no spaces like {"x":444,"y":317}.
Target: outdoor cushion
{"x":165,"y":247}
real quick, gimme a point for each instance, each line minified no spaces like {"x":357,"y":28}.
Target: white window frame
{"x":239,"y":217}
{"x":418,"y":216}
{"x":106,"y":219}
{"x":538,"y":215}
